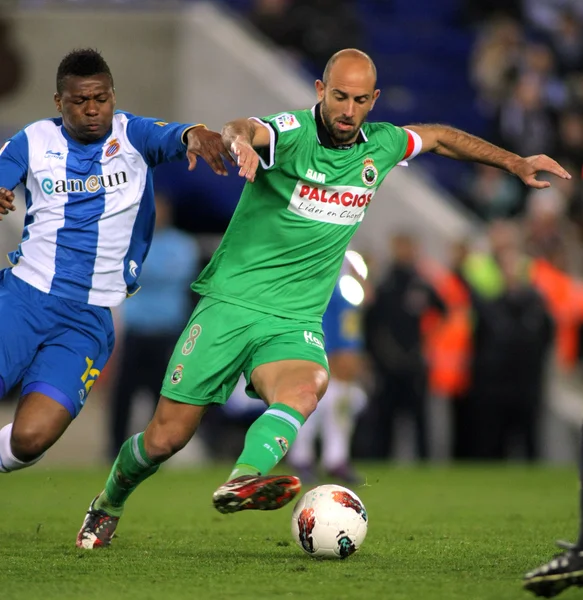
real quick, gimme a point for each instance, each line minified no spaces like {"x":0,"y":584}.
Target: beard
{"x":337,"y":135}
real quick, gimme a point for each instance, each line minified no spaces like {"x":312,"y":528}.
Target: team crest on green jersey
{"x":369,"y":172}
{"x":177,"y":374}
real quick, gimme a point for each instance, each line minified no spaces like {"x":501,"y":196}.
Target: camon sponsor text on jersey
{"x":92,"y":184}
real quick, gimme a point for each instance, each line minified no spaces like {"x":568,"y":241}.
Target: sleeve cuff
{"x":188,"y":128}
{"x":414,"y":144}
{"x":264,"y":164}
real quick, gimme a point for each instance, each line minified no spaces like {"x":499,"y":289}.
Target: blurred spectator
{"x":153,"y":320}
{"x":314,"y":29}
{"x":393,"y":337}
{"x":539,"y":63}
{"x":494,"y":194}
{"x":477,"y":12}
{"x":512,"y":336}
{"x":575,"y":210}
{"x":544,"y":231}
{"x":512,"y":333}
{"x":495,"y":60}
{"x":447,"y":338}
{"x":12,"y":65}
{"x":545,"y":15}
{"x":481,"y":270}
{"x":571,"y":140}
{"x":525,"y":124}
{"x":448,"y":342}
{"x":334,"y":420}
{"x":271,"y":17}
{"x":461,"y":437}
{"x":567,"y":42}
{"x":528,"y":71}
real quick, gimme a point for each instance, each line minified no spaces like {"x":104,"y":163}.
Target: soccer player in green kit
{"x":311,"y":175}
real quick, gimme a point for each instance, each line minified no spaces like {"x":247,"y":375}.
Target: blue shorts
{"x":54,"y":346}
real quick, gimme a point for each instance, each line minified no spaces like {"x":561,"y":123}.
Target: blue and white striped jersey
{"x":341,"y":324}
{"x":89,"y":207}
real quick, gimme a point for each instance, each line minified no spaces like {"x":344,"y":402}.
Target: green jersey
{"x":286,"y":241}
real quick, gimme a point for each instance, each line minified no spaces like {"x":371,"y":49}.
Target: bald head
{"x":350,"y":59}
{"x":347,"y":94}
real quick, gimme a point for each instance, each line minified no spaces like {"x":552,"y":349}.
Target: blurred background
{"x":467,"y":285}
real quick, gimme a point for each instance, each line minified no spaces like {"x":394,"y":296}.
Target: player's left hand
{"x":528,"y":168}
{"x":247,"y":158}
{"x":209,"y":146}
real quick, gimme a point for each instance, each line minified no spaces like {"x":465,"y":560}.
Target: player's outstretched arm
{"x":6,"y":202}
{"x":459,"y":145}
{"x":209,"y":146}
{"x":241,"y":137}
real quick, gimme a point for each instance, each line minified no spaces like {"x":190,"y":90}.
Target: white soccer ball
{"x":329,"y":521}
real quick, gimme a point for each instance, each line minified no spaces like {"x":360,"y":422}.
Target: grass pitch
{"x":435,"y":533}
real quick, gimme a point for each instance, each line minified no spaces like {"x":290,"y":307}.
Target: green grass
{"x":435,"y":533}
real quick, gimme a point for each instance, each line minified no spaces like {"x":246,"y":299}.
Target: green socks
{"x":268,"y":440}
{"x":266,"y":443}
{"x":131,"y":467}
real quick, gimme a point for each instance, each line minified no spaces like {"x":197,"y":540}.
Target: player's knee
{"x":29,"y":442}
{"x":309,"y":394}
{"x":162,"y":443}
{"x":309,"y":405}
{"x":302,"y":397}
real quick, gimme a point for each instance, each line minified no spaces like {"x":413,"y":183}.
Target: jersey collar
{"x":324,"y":137}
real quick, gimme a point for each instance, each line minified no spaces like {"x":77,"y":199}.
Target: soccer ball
{"x":329,"y":521}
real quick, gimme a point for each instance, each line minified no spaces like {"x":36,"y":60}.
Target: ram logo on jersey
{"x":4,"y":147}
{"x":315,"y":176}
{"x":92,"y":184}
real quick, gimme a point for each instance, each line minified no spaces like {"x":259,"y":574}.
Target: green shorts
{"x":223,"y":340}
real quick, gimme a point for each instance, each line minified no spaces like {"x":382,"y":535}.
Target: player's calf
{"x":256,"y":493}
{"x":563,"y":571}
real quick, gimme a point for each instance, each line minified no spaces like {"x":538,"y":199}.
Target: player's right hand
{"x":209,"y":146}
{"x":247,"y":159}
{"x":6,"y":202}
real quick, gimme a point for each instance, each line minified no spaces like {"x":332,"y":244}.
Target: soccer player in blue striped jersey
{"x":89,"y":222}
